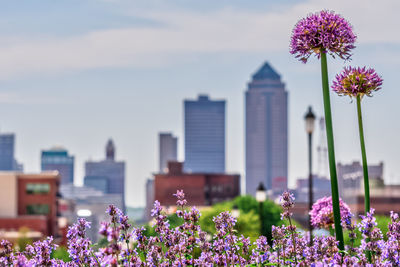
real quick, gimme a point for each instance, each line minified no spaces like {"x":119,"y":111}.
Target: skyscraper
{"x":57,"y":159}
{"x":109,"y":173}
{"x":266,"y":131}
{"x":7,"y":152}
{"x":168,"y":150}
{"x":204,"y":135}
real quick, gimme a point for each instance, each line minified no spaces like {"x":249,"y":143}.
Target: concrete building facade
{"x":204,"y":135}
{"x":113,"y":170}
{"x":266,"y":131}
{"x":168,"y":150}
{"x":57,"y":159}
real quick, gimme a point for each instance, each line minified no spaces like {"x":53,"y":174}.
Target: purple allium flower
{"x":321,"y":32}
{"x":322,"y":213}
{"x":357,"y":82}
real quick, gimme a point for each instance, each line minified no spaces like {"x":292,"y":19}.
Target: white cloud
{"x":228,"y":30}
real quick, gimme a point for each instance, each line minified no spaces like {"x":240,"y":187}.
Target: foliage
{"x":61,"y":253}
{"x":23,"y":239}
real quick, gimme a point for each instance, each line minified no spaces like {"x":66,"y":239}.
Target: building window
{"x":37,"y":189}
{"x":37,"y":209}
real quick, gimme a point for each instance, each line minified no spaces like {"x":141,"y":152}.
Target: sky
{"x":78,"y":72}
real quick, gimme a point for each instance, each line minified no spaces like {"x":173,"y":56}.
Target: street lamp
{"x":310,"y":121}
{"x":261,"y":196}
{"x":235,"y":211}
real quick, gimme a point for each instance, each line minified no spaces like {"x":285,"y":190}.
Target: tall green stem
{"x":364,"y":157}
{"x":331,"y":151}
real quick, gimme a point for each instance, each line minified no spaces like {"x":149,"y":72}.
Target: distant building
{"x":29,"y":200}
{"x":204,"y":135}
{"x":111,"y":173}
{"x":321,"y":188}
{"x":7,"y":159}
{"x":168,"y":150}
{"x":351,"y":180}
{"x":100,"y":183}
{"x":57,"y":159}
{"x":350,"y":176}
{"x":149,"y":199}
{"x":266,"y":131}
{"x":89,"y":203}
{"x":201,"y":189}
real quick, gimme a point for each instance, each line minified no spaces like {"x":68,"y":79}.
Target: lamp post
{"x":235,"y":211}
{"x":310,"y":120}
{"x":261,"y":196}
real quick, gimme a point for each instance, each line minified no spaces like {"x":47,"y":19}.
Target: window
{"x":37,"y":209}
{"x":37,"y":189}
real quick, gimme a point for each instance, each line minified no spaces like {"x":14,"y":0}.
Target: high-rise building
{"x":266,"y":131}
{"x":7,"y":152}
{"x":168,"y":150}
{"x":205,"y":135}
{"x":109,"y":171}
{"x":57,"y":159}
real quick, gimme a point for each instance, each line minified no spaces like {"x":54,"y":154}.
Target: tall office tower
{"x":57,"y":159}
{"x":266,"y":131}
{"x":168,"y":150}
{"x":7,"y":152}
{"x":108,"y":174}
{"x":205,"y":135}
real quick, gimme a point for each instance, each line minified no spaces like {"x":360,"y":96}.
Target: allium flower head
{"x":322,"y":213}
{"x":357,"y":82}
{"x":324,"y":31}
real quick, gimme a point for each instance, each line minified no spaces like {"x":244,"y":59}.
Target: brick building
{"x":29,"y":200}
{"x":201,"y":189}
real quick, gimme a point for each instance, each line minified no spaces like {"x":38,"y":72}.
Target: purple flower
{"x":287,"y":202}
{"x":322,"y":32}
{"x":322,"y":213}
{"x":357,"y":82}
{"x":181,"y":198}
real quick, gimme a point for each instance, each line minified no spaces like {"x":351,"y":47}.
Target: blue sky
{"x":76,"y":73}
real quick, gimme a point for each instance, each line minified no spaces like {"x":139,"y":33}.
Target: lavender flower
{"x":188,"y":245}
{"x":322,"y":32}
{"x":287,"y":202}
{"x":181,"y":198}
{"x":322,"y":213}
{"x":357,"y":82}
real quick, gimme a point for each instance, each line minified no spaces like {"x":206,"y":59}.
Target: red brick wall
{"x":50,"y":199}
{"x":200,"y":189}
{"x":35,"y":223}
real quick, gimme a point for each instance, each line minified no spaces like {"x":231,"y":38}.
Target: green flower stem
{"x":367,"y":201}
{"x":331,"y":151}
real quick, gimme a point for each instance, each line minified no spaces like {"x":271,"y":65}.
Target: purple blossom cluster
{"x":188,"y":245}
{"x":322,"y":213}
{"x":322,"y":32}
{"x":357,"y":82}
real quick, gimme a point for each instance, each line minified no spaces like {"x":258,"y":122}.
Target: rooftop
{"x":266,"y":72}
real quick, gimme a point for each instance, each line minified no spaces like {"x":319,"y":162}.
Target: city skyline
{"x":78,"y":83}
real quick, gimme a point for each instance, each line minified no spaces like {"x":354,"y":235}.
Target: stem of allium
{"x":331,"y":151}
{"x":364,"y":157}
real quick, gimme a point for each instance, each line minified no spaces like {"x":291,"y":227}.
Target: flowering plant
{"x":357,"y":82}
{"x":188,"y":245}
{"x":324,"y":33}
